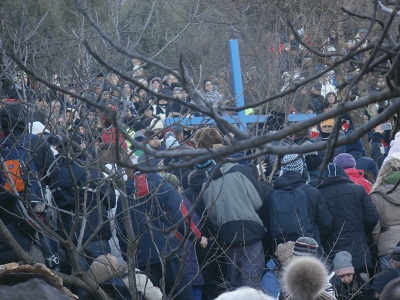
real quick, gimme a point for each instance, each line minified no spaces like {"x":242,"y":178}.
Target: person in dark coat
{"x":77,"y":183}
{"x":362,"y":162}
{"x":14,"y":119}
{"x":152,"y":212}
{"x":318,"y":213}
{"x":354,"y":217}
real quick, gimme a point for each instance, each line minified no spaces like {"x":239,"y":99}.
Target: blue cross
{"x":241,"y":119}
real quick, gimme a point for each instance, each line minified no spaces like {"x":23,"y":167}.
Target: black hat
{"x":318,"y":86}
{"x":100,"y":75}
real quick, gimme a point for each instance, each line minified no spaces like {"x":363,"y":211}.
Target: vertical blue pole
{"x":237,"y":81}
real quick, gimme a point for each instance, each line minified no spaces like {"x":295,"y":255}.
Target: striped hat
{"x":305,"y":246}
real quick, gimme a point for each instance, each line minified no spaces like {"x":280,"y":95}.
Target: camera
{"x":53,"y":262}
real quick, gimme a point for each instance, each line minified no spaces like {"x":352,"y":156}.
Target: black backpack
{"x":288,"y":216}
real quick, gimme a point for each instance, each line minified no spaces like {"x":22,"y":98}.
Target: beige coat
{"x":386,"y":234}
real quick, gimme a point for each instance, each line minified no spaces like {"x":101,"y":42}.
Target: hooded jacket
{"x":232,"y":201}
{"x":354,"y":217}
{"x":386,"y":234}
{"x":13,"y":120}
{"x":362,"y":162}
{"x":96,"y":197}
{"x":320,"y":217}
{"x":151,"y":215}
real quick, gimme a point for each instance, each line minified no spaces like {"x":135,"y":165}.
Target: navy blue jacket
{"x":90,"y":184}
{"x":354,"y":217}
{"x":318,"y":212}
{"x":151,"y":216}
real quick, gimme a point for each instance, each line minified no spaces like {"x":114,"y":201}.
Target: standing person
{"x":81,"y":188}
{"x":154,"y":208}
{"x":232,"y":200}
{"x":354,"y":217}
{"x":22,"y":148}
{"x":299,"y":209}
{"x":387,"y":232}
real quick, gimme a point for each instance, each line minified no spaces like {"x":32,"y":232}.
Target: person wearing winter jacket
{"x":348,"y":163}
{"x":318,"y":213}
{"x":358,"y":152}
{"x":354,"y":217}
{"x":154,"y":208}
{"x":81,"y":188}
{"x":386,"y":234}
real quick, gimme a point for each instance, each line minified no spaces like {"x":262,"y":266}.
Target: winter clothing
{"x":345,"y":160}
{"x":354,"y":217}
{"x":362,"y":162}
{"x":320,"y":217}
{"x":90,"y":184}
{"x":305,"y":246}
{"x":342,"y":263}
{"x":387,"y":232}
{"x":158,"y":211}
{"x":357,"y":176}
{"x":291,"y":163}
{"x":231,"y":200}
{"x":306,"y":278}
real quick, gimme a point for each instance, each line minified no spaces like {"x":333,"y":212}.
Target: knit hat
{"x":305,"y":246}
{"x":328,"y":122}
{"x":284,"y":252}
{"x":155,"y":124}
{"x":291,"y":163}
{"x":345,"y":160}
{"x":342,"y":263}
{"x":103,"y":268}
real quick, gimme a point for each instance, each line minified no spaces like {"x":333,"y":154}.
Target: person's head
{"x":284,"y":252}
{"x":12,"y":117}
{"x":156,"y":83}
{"x":208,"y":86}
{"x":97,"y":89}
{"x":100,"y":77}
{"x":325,"y":78}
{"x":388,"y":167}
{"x":304,"y":278}
{"x":153,"y":139}
{"x":244,"y":293}
{"x":208,"y":137}
{"x":136,"y":62}
{"x":342,"y":266}
{"x":345,"y":160}
{"x":327,"y":125}
{"x":177,"y":93}
{"x":113,"y":79}
{"x":316,"y":88}
{"x":172,"y":79}
{"x":331,"y":97}
{"x":380,"y":83}
{"x":127,"y":88}
{"x":305,"y":246}
{"x":292,"y":163}
{"x":142,"y":94}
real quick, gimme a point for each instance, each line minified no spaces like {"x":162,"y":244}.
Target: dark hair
{"x":331,"y":93}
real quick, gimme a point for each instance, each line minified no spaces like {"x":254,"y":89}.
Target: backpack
{"x":289,"y":217}
{"x":18,"y":171}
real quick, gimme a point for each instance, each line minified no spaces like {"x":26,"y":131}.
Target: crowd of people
{"x":217,"y":225}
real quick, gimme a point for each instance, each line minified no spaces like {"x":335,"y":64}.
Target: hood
{"x":392,"y":178}
{"x":222,"y":170}
{"x":393,"y":197}
{"x":12,"y":118}
{"x":356,"y":147}
{"x":288,"y":181}
{"x":335,"y":180}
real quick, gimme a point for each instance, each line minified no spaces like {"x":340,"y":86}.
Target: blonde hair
{"x":388,"y":167}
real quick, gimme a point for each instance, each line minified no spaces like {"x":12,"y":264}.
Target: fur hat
{"x":305,"y":246}
{"x":342,"y":263}
{"x":304,"y":278}
{"x":244,"y":293}
{"x":328,"y":122}
{"x":292,"y":163}
{"x":345,"y":160}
